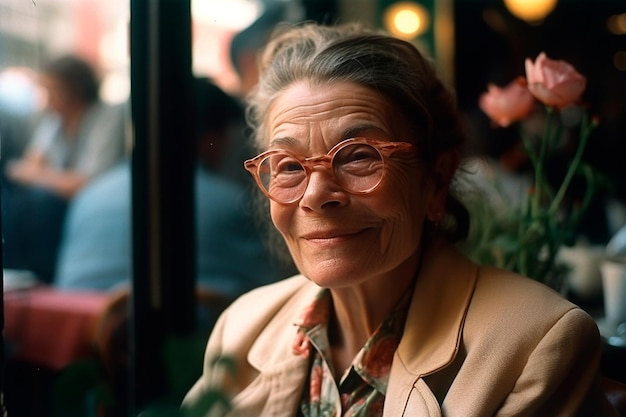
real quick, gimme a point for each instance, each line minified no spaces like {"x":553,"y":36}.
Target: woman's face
{"x":338,"y":239}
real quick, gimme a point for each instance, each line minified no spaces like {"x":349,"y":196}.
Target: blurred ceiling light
{"x":406,"y":20}
{"x":619,"y":60}
{"x":616,"y":24}
{"x":530,"y":10}
{"x":232,"y":14}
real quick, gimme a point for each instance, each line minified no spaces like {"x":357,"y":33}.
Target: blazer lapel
{"x":433,"y":329}
{"x":276,"y":392}
{"x":282,"y":372}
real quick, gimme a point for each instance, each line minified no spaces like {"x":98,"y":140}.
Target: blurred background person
{"x":77,"y":138}
{"x":231,"y":255}
{"x":244,"y":49}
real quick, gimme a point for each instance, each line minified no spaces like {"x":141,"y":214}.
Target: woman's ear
{"x":442,"y":173}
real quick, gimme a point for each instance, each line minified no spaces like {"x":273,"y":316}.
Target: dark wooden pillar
{"x":162,"y":302}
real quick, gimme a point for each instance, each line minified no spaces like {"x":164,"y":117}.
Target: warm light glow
{"x":406,"y":20}
{"x":619,"y":60}
{"x":616,"y":24}
{"x":530,"y":10}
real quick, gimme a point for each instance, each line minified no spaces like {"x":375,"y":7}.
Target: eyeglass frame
{"x":384,"y":148}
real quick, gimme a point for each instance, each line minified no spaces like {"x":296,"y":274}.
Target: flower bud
{"x":554,"y":83}
{"x":509,"y":104}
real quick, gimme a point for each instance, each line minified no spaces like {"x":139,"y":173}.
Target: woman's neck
{"x":358,"y":311}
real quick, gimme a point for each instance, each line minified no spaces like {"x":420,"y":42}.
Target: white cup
{"x":614,"y":287}
{"x":584,"y":276}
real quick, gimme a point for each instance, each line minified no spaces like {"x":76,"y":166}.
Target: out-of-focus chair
{"x":111,"y":341}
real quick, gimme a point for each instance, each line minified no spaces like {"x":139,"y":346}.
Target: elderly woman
{"x":361,"y":141}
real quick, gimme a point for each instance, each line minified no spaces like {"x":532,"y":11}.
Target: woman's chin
{"x":336,"y":274}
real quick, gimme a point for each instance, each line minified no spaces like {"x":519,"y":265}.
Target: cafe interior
{"x":137,"y":346}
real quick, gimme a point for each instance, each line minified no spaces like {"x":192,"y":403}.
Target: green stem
{"x":590,"y":191}
{"x":585,"y":131}
{"x":520,"y":262}
{"x":528,"y":147}
{"x":539,"y":174}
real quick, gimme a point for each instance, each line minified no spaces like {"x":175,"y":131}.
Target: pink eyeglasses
{"x":358,"y":165}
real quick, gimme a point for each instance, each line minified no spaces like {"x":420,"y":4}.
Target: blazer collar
{"x":273,"y":347}
{"x":271,"y":354}
{"x":437,"y":313}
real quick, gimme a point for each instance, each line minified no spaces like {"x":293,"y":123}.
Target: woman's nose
{"x":322,"y":191}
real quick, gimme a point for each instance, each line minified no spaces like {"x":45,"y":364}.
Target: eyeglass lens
{"x":357,"y":167}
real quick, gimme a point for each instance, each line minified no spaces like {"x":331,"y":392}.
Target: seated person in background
{"x":244,"y":49}
{"x":96,"y":252}
{"x":360,"y":142}
{"x":77,"y":138}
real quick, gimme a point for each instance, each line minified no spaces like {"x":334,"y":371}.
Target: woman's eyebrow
{"x":285,"y":141}
{"x":364,"y":129}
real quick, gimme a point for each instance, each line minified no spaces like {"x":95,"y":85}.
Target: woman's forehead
{"x":335,"y":109}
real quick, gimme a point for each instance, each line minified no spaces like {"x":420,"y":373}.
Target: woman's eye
{"x":355,"y":153}
{"x":357,"y":156}
{"x":286,"y":165}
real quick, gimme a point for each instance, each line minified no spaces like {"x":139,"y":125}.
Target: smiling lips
{"x":332,"y":236}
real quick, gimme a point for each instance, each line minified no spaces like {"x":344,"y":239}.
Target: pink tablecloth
{"x":51,"y":328}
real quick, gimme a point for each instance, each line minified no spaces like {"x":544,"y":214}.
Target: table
{"x":51,"y":328}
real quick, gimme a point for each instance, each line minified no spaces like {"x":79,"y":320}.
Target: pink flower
{"x":509,"y":104}
{"x":554,"y":83}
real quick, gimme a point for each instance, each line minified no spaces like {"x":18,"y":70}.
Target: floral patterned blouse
{"x":361,"y":390}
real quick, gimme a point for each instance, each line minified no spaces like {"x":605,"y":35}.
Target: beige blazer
{"x":477,"y":342}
